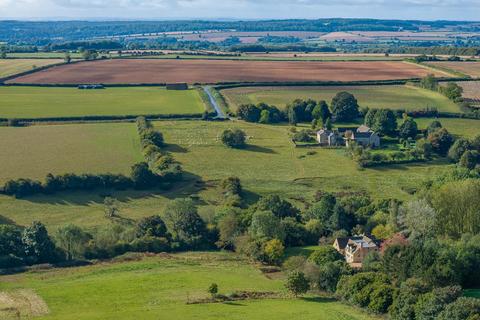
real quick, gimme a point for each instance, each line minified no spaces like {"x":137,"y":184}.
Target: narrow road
{"x":220,"y":113}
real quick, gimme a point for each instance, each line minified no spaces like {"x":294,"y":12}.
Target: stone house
{"x":327,"y":137}
{"x":356,"y":248}
{"x":363,"y":136}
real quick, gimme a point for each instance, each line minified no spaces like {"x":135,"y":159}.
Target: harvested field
{"x":9,"y":67}
{"x":21,"y":303}
{"x":469,"y":68}
{"x":345,"y":36}
{"x":214,"y":71}
{"x":471,"y":91}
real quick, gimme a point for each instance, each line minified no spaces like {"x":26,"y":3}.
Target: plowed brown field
{"x":214,"y":71}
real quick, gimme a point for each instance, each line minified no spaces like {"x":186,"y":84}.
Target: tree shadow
{"x":318,"y":299}
{"x":231,"y":303}
{"x":254,"y":148}
{"x":5,"y":220}
{"x":250,"y":197}
{"x":189,"y":186}
{"x":175,"y":148}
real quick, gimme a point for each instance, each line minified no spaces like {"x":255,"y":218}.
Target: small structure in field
{"x":91,"y":86}
{"x":356,"y":248}
{"x":327,"y":137}
{"x":177,"y":86}
{"x":363,"y":136}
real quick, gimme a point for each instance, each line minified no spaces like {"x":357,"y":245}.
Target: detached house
{"x":356,"y":248}
{"x":327,"y":137}
{"x":363,"y":136}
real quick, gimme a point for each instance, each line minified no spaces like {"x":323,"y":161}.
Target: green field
{"x":34,"y":151}
{"x":271,"y":164}
{"x":9,"y":67}
{"x":460,"y":127}
{"x":38,"y":102}
{"x":158,"y":288}
{"x":392,"y":97}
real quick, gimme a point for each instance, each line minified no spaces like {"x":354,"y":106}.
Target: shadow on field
{"x":175,"y":148}
{"x":5,"y":220}
{"x":254,"y":148}
{"x":318,"y":299}
{"x":236,"y":304}
{"x":190,"y":186}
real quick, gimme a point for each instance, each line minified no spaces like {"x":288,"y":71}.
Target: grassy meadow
{"x":270,"y":164}
{"x":38,"y":102}
{"x":467,"y":128}
{"x":33,"y":152}
{"x":9,"y":67}
{"x":392,"y":97}
{"x":158,"y":288}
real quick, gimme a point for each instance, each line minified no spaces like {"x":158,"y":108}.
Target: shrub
{"x":324,"y":255}
{"x":297,"y":283}
{"x":235,"y":138}
{"x":274,"y":251}
{"x":150,"y":244}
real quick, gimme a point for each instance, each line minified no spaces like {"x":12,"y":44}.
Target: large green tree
{"x":184,"y":223}
{"x":344,"y":107}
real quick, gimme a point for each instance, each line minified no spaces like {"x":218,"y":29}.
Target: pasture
{"x":471,"y":69}
{"x":39,"y":102}
{"x":393,"y":97}
{"x":215,"y":71}
{"x":468,"y":128}
{"x":35,"y":151}
{"x":270,"y":164}
{"x":9,"y":67}
{"x":159,"y":287}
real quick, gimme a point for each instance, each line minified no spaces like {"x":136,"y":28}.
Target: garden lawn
{"x":159,"y":287}
{"x":468,"y":128}
{"x":33,"y":152}
{"x":9,"y":67}
{"x":38,"y":102}
{"x":392,"y":97}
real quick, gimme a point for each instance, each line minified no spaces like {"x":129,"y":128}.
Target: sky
{"x":240,"y":9}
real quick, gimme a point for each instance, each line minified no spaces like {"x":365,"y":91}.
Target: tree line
{"x":158,"y":171}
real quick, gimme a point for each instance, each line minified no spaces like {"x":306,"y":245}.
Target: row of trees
{"x":452,"y":90}
{"x":343,"y":108}
{"x":159,"y":169}
{"x":179,"y":228}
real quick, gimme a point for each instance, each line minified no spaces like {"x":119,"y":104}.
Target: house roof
{"x":363,"y":129}
{"x":361,"y":241}
{"x":363,"y":135}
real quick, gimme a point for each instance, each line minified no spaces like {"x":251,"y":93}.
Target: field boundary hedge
{"x":231,"y":85}
{"x":108,"y":118}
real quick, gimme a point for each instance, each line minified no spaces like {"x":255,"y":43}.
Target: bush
{"x":150,"y":244}
{"x":235,"y":138}
{"x":302,"y":136}
{"x":274,"y":251}
{"x":297,"y":283}
{"x":325,"y":255}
